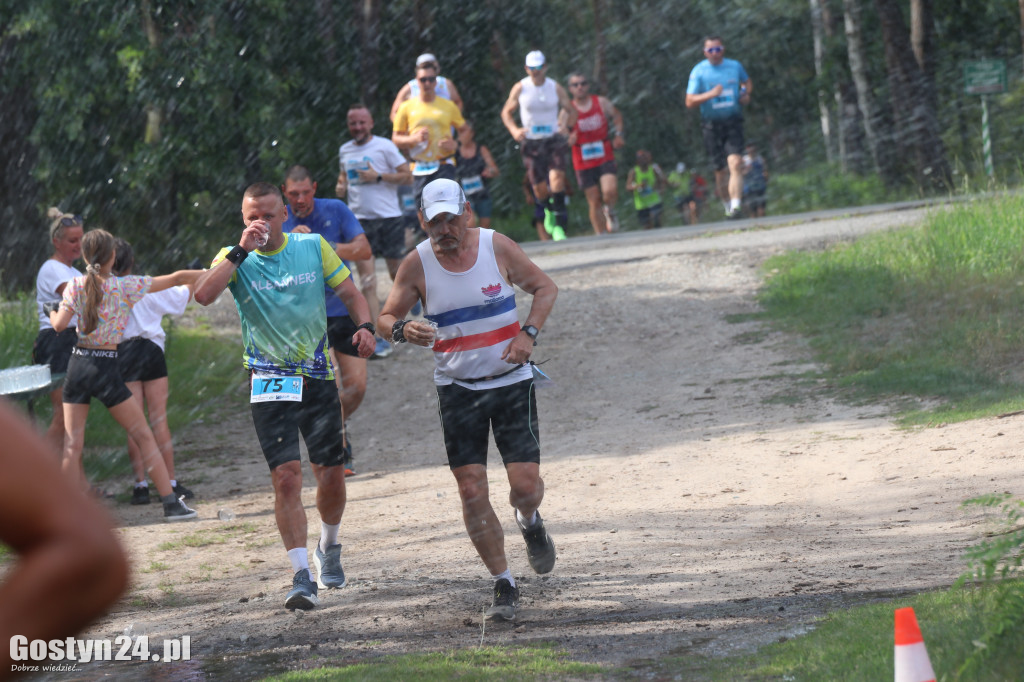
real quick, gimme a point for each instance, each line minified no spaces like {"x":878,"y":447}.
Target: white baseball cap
{"x":535,"y":59}
{"x":425,"y":57}
{"x":442,"y":196}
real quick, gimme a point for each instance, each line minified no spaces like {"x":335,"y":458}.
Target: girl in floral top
{"x":103,"y":303}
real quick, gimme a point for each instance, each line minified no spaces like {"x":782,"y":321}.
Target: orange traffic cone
{"x":912,"y":664}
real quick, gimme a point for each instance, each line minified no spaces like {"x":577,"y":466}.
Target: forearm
{"x":404,"y":140}
{"x":354,"y":250}
{"x":543,"y":302}
{"x":354,"y":300}
{"x":212,"y":283}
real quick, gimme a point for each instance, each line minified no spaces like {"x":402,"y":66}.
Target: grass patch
{"x":504,"y":664}
{"x":857,"y":644}
{"x":204,"y":378}
{"x":935,"y":312}
{"x":208,"y":536}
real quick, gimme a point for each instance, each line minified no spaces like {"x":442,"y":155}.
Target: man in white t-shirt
{"x":372,"y":168}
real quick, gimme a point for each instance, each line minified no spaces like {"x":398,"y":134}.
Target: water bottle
{"x":225,"y":514}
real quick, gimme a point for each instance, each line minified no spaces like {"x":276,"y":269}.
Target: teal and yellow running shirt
{"x":280,"y":301}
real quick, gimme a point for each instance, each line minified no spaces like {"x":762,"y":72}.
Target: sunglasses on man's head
{"x":714,"y":50}
{"x":427,"y":79}
{"x":68,"y":221}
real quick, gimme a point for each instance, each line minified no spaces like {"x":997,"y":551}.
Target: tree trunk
{"x":818,"y":29}
{"x":1021,"y":3}
{"x":600,"y":74}
{"x":368,"y":14}
{"x":922,"y":38}
{"x":858,"y":70}
{"x":910,"y":99}
{"x":154,"y":114}
{"x":850,"y":128}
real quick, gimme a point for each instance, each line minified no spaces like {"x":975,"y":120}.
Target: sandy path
{"x":703,"y":489}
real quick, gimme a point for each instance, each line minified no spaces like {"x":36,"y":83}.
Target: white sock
{"x":522,"y":519}
{"x":328,"y":535}
{"x":734,"y":203}
{"x":507,"y":575}
{"x":141,"y":484}
{"x":300,"y":559}
{"x":174,"y":482}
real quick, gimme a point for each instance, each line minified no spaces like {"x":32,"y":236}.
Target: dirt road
{"x":703,"y":489}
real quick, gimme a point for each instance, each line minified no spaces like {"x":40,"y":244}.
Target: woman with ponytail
{"x":103,"y":304}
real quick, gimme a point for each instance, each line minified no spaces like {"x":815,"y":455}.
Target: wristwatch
{"x":531,"y":331}
{"x":368,"y":326}
{"x":379,"y":177}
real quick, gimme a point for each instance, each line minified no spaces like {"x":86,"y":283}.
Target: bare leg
{"x":353,"y":381}
{"x":288,"y":509}
{"x":75,"y":416}
{"x":597,"y":220}
{"x":55,"y":432}
{"x":481,"y":522}
{"x":134,"y":453}
{"x":156,"y":392}
{"x":610,"y":197}
{"x":330,"y":493}
{"x":526,"y":487}
{"x":722,"y":184}
{"x":129,"y":415}
{"x":735,"y":176}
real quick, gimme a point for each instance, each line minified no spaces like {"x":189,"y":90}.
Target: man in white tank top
{"x":547,"y":117}
{"x":464,"y":276}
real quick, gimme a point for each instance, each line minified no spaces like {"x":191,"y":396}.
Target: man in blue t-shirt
{"x":332,"y":220}
{"x":719,"y":86}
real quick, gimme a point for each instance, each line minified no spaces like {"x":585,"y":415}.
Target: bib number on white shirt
{"x":352,"y":168}
{"x":267,"y":388}
{"x":592,"y":150}
{"x":542,"y":131}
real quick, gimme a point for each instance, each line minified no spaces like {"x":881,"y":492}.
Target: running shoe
{"x":734,"y":214}
{"x":550,"y":222}
{"x":329,"y":572}
{"x":382,"y":350}
{"x":140,"y":494}
{"x":303,"y":593}
{"x":505,"y":601}
{"x":178,"y":511}
{"x":540,"y":550}
{"x":181,"y":491}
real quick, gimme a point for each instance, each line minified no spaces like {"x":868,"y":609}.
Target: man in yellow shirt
{"x":423,"y":129}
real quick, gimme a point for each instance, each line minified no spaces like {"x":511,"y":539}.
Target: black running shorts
{"x":339,"y":334}
{"x":317,"y":417}
{"x":54,"y":349}
{"x":141,"y":360}
{"x":722,"y":138}
{"x":542,"y":156}
{"x":468,"y":415}
{"x":591,"y":177}
{"x":94,"y":374}
{"x":386,"y":236}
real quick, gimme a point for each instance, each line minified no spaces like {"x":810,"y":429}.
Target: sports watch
{"x":531,"y":331}
{"x":368,"y":326}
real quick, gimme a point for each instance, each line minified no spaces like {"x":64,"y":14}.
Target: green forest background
{"x":149,"y":117}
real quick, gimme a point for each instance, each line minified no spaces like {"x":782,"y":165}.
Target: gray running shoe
{"x":329,"y":572}
{"x":178,"y":511}
{"x":540,"y":550}
{"x":505,"y":601}
{"x":303,"y":594}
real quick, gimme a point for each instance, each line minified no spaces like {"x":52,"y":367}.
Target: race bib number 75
{"x":272,"y":387}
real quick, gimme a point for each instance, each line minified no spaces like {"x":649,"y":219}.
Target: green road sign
{"x":985,"y":77}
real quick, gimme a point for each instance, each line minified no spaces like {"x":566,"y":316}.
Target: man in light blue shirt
{"x":719,"y":86}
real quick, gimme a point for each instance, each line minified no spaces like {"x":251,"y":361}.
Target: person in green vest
{"x":646,"y":181}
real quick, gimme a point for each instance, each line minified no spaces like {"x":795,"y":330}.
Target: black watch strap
{"x":368,"y":326}
{"x":236,"y":255}
{"x":398,"y":332}
{"x":532,"y":332}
